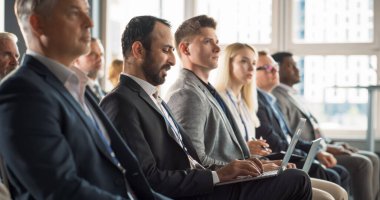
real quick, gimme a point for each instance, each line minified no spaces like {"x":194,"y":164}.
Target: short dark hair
{"x":192,"y":27}
{"x":280,"y":56}
{"x":139,"y":29}
{"x":262,"y":53}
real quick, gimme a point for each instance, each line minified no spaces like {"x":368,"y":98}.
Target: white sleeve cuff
{"x":215,"y":177}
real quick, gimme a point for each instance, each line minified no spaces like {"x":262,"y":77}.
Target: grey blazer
{"x":212,"y":134}
{"x":293,"y":111}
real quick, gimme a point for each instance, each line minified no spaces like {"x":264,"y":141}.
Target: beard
{"x":152,"y":72}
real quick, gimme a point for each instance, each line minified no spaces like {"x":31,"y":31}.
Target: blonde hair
{"x":115,"y":69}
{"x":248,"y":91}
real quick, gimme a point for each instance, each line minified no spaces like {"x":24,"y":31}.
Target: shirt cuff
{"x":215,"y":177}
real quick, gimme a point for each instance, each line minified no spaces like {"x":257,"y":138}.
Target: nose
{"x":88,"y":23}
{"x":172,"y":59}
{"x":216,"y":48}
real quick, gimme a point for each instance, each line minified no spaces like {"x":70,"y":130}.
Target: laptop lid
{"x":292,"y":145}
{"x":311,"y":155}
{"x":284,"y":163}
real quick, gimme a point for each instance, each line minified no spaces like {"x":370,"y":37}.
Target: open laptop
{"x":284,"y":163}
{"x":311,"y":155}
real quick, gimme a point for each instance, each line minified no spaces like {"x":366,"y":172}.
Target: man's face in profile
{"x":9,"y":56}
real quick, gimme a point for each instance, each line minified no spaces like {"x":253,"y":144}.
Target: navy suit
{"x":271,"y":131}
{"x":51,"y":147}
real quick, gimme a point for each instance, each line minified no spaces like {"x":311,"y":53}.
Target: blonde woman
{"x":115,"y":69}
{"x":237,"y":85}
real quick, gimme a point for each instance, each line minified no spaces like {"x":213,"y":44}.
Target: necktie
{"x":174,"y":127}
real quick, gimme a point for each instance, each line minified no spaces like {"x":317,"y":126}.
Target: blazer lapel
{"x":125,"y":81}
{"x":213,"y":101}
{"x":59,"y":87}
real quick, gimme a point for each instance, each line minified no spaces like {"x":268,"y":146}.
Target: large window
{"x":121,"y":11}
{"x":331,"y":85}
{"x":333,"y":21}
{"x":247,"y":21}
{"x":336,"y":48}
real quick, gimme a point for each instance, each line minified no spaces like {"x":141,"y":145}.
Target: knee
{"x":321,"y":195}
{"x":298,"y":177}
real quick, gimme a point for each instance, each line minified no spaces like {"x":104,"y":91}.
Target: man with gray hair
{"x":9,"y":54}
{"x":65,"y":147}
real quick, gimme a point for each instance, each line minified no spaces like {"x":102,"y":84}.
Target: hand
{"x":239,"y":168}
{"x":259,"y":147}
{"x":326,"y":159}
{"x":338,"y":150}
{"x":278,"y":163}
{"x":350,"y":148}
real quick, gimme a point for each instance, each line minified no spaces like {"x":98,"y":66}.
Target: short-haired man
{"x":9,"y":54}
{"x":362,"y":165}
{"x":274,"y":127}
{"x":56,"y":142}
{"x":91,"y":63}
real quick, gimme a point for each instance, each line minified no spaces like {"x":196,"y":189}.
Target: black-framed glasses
{"x":268,"y":68}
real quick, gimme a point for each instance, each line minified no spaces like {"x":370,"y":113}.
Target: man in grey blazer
{"x":362,"y":165}
{"x":196,"y":104}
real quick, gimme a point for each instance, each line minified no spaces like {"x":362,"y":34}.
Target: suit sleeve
{"x":191,"y":112}
{"x":35,"y":149}
{"x":267,"y":131}
{"x":173,"y":183}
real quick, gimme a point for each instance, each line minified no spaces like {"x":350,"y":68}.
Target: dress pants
{"x":291,"y":184}
{"x":338,"y":175}
{"x":364,"y":169}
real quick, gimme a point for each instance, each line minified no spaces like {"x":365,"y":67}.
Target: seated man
{"x":91,"y":64}
{"x":167,"y":155}
{"x":274,"y":128}
{"x":362,"y":165}
{"x":9,"y":54}
{"x":55,"y":140}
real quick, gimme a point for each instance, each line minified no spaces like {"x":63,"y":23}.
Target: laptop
{"x":284,"y":163}
{"x":311,"y":155}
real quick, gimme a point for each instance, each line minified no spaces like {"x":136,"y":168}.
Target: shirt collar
{"x":147,"y":87}
{"x":236,"y":99}
{"x":272,"y":99}
{"x":62,"y":72}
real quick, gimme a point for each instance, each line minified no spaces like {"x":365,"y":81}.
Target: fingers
{"x":291,"y":166}
{"x":238,"y":168}
{"x":258,"y":164}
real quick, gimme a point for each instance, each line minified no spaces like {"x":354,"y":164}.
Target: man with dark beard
{"x":166,"y":154}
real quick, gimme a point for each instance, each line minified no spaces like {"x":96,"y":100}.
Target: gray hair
{"x":25,"y":8}
{"x":8,"y":36}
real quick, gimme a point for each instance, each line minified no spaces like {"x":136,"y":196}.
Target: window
{"x":330,"y":85}
{"x":121,"y":11}
{"x":333,"y":21}
{"x":247,"y":21}
{"x":334,"y":42}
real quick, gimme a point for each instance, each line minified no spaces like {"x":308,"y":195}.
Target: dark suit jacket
{"x":51,"y":148}
{"x":143,"y":127}
{"x":271,"y":131}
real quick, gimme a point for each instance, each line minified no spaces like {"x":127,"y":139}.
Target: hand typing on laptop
{"x":237,"y":168}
